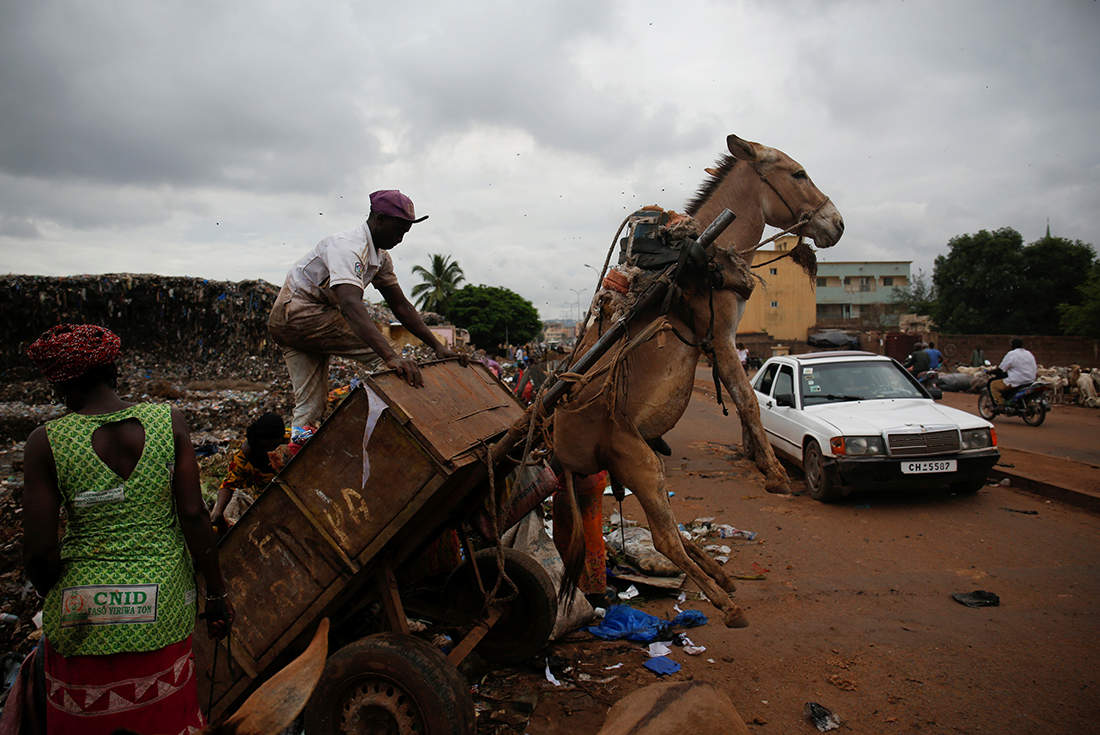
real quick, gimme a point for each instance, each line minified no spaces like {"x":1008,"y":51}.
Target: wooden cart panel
{"x":313,"y":536}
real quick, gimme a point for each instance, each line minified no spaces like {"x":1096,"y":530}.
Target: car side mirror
{"x":784,"y":399}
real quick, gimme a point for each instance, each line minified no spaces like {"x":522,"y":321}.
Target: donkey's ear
{"x":742,"y":150}
{"x":273,"y":706}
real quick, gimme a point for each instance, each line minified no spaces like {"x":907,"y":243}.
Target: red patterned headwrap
{"x":68,"y":351}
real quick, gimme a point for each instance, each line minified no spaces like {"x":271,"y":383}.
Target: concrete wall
{"x":783,"y":305}
{"x":1049,"y":351}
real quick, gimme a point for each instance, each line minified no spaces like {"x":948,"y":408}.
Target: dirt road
{"x":1068,"y":431}
{"x":856,"y":612}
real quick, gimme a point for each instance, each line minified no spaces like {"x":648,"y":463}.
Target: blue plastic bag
{"x":662,"y":665}
{"x":623,"y":621}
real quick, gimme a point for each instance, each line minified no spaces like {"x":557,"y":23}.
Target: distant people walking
{"x":119,"y":587}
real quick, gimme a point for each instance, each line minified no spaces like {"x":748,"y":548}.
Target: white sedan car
{"x":856,"y":419}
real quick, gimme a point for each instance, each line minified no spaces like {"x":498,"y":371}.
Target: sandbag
{"x":529,"y":536}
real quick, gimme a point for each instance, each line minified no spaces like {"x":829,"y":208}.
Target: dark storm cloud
{"x":195,"y":94}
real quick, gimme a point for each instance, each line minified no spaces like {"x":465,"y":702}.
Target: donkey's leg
{"x":631,"y":461}
{"x":709,"y":565}
{"x":754,"y":439}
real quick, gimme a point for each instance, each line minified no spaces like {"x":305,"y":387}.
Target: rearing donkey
{"x":640,"y":390}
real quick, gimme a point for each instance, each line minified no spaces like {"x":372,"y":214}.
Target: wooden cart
{"x":390,"y":472}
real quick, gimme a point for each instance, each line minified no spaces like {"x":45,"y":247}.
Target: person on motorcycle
{"x":935,"y":357}
{"x":1018,"y":369}
{"x":919,"y":361}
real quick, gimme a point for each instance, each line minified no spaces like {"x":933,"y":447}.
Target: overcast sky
{"x":223,"y":139}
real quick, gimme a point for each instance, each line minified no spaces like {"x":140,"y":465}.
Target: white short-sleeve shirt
{"x":1020,"y":366}
{"x":346,"y":257}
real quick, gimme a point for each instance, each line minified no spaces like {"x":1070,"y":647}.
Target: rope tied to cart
{"x":491,"y":596}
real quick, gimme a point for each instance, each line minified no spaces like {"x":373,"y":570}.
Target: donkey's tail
{"x":569,"y":540}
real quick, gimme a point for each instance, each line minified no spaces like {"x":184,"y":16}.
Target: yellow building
{"x":784,"y":305}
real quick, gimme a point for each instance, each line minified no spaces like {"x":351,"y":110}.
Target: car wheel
{"x":985,"y":405}
{"x":821,"y":484}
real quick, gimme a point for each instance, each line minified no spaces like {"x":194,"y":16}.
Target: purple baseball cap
{"x":395,"y":204}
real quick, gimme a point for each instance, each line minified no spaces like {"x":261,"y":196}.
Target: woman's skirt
{"x":148,"y":692}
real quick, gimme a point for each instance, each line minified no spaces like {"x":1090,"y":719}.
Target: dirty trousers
{"x":309,"y":333}
{"x":588,"y":490}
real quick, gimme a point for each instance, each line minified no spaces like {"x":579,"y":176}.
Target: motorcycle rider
{"x":1018,"y":368}
{"x":919,"y":361}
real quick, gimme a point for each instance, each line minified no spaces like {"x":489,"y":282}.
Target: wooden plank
{"x":456,"y":409}
{"x":479,"y":631}
{"x":318,"y":527}
{"x":391,"y":600}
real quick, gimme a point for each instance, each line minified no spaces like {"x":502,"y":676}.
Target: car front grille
{"x":932,"y":442}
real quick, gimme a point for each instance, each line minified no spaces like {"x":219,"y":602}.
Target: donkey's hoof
{"x":736,"y":619}
{"x":778,"y":488}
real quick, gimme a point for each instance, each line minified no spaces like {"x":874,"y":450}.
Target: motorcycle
{"x":1028,"y":401}
{"x":930,"y":379}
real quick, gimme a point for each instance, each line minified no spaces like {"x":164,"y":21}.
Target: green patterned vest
{"x":126,"y":583}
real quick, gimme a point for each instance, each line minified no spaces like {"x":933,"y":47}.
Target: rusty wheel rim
{"x":378,"y":706}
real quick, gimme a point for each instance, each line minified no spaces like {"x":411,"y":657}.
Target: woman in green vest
{"x":119,"y":587}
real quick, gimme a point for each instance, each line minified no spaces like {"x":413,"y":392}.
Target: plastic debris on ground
{"x":623,"y":621}
{"x":659,"y":648}
{"x":822,"y":718}
{"x":613,"y":666}
{"x":662,"y":665}
{"x":550,"y":676}
{"x":608,"y":491}
{"x":629,"y":593}
{"x":727,"y":531}
{"x":977,"y":598}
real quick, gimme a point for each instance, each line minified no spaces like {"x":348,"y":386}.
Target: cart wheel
{"x":528,"y":619}
{"x":393,"y":684}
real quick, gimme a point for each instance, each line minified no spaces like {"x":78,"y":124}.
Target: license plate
{"x":934,"y":465}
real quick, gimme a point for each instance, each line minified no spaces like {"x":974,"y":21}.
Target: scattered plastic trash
{"x":550,"y":676}
{"x":822,"y":718}
{"x":629,"y":593}
{"x":623,"y":621}
{"x":716,"y":548}
{"x":613,"y":666}
{"x":626,"y":491}
{"x":37,"y":619}
{"x":721,"y":559}
{"x":727,"y":531}
{"x":599,"y":611}
{"x":659,"y":648}
{"x":8,"y":618}
{"x":694,"y":650}
{"x":662,"y":665}
{"x":977,"y":598}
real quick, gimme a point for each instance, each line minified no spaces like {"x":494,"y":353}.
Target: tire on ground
{"x":821,"y":484}
{"x":524,"y":628}
{"x":390,"y":682}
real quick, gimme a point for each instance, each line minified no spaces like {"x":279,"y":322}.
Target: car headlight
{"x":857,"y":446}
{"x":976,"y":439}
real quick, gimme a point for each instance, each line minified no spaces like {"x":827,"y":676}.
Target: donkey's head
{"x":788,"y":194}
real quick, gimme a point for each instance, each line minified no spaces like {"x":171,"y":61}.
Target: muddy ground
{"x":854,"y":610}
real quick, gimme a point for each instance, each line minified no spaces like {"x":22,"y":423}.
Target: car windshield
{"x":854,"y":381}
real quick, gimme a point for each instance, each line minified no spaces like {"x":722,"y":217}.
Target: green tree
{"x":438,"y":283}
{"x":977,"y":283}
{"x":1083,"y":318}
{"x":494,"y":315}
{"x":1055,"y":269}
{"x":990,"y":282}
{"x":916,"y":297}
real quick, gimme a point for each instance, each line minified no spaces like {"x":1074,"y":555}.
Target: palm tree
{"x":439,"y":282}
